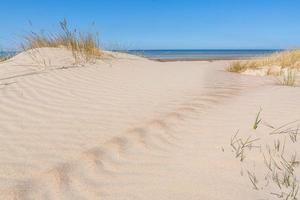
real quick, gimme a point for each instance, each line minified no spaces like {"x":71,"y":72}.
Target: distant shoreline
{"x":195,"y":60}
{"x":173,"y":55}
{"x":202,"y":54}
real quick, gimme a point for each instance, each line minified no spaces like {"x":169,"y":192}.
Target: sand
{"x":125,"y":127}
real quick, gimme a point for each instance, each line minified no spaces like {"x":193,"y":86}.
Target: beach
{"x":126,"y":127}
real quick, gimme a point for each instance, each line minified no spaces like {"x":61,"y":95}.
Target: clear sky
{"x":161,"y":24}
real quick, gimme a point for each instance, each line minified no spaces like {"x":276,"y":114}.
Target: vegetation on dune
{"x":288,"y":77}
{"x":284,"y":64}
{"x":257,"y":120}
{"x":84,"y":46}
{"x":270,"y":162}
{"x":284,"y":59}
{"x":4,"y":58}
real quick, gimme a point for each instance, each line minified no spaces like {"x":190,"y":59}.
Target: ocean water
{"x":173,"y":55}
{"x":169,"y":55}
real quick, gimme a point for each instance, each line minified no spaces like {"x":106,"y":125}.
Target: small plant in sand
{"x":253,"y":179}
{"x":84,"y":46}
{"x":285,"y":59}
{"x":289,"y":129}
{"x":257,"y":120}
{"x":240,"y":145}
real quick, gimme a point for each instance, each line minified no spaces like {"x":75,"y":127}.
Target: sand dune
{"x":125,"y":127}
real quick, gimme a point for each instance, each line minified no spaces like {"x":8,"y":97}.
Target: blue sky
{"x":161,"y":24}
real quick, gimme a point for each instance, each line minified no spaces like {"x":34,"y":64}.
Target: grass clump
{"x":6,"y":56}
{"x":236,"y":66}
{"x":284,"y":59}
{"x":84,"y":46}
{"x":288,"y":77}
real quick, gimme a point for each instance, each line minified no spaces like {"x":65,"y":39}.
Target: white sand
{"x":128,"y":128}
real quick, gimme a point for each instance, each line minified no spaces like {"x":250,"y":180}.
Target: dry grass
{"x":84,"y":46}
{"x":240,"y":145}
{"x":288,"y":77}
{"x":285,"y":59}
{"x":5,"y":57}
{"x":240,"y":66}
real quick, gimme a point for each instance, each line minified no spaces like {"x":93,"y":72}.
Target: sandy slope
{"x":128,"y":128}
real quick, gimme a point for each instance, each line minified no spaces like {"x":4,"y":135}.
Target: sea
{"x":203,"y":54}
{"x":192,"y":54}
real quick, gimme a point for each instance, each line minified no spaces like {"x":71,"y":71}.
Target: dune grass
{"x":288,"y":78}
{"x":271,"y":163}
{"x":4,"y":58}
{"x":257,"y":120}
{"x":84,"y":46}
{"x":284,"y":59}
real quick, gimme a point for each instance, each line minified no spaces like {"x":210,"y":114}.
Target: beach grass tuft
{"x":284,"y":59}
{"x":288,"y":77}
{"x":5,"y":57}
{"x":236,"y":66}
{"x":84,"y":45}
{"x":257,"y":120}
